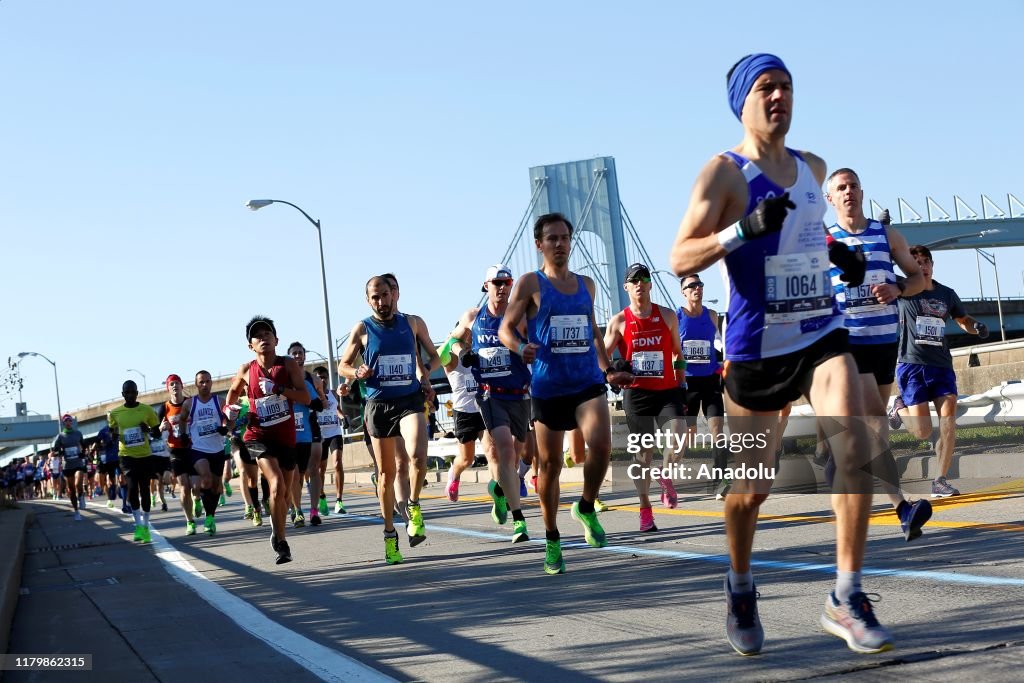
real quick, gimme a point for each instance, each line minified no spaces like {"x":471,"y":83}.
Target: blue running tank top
{"x":566,"y":361}
{"x":697,"y":337}
{"x":779,"y":286}
{"x":391,"y":352}
{"x":499,"y":367}
{"x":303,"y":430}
{"x":868,"y":321}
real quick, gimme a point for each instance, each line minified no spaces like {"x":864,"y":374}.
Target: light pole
{"x":145,"y":387}
{"x":990,"y":256}
{"x":257,"y":204}
{"x":56,"y":385}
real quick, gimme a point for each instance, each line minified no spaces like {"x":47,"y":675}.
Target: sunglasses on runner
{"x":694,"y":285}
{"x":501,"y":283}
{"x":638,"y":280}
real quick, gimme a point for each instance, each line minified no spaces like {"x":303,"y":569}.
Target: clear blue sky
{"x":133,"y":133}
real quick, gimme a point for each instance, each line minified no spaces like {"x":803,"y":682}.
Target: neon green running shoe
{"x":553,"y":562}
{"x":138,"y":533}
{"x":190,"y":528}
{"x":248,"y":512}
{"x":391,"y":553}
{"x":197,"y":507}
{"x":415,"y":526}
{"x":570,"y":462}
{"x":227,"y":489}
{"x":257,"y":518}
{"x":323,"y":507}
{"x":222,"y":502}
{"x":592,"y":528}
{"x":519,"y":531}
{"x":499,"y":511}
{"x":339,"y":508}
{"x":211,"y":525}
{"x":599,"y":506}
{"x":299,"y":521}
{"x":146,"y":538}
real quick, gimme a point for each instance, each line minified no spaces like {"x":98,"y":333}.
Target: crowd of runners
{"x":813,"y":312}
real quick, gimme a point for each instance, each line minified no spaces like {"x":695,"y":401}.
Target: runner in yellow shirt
{"x":133,"y":425}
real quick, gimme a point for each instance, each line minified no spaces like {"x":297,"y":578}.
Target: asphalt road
{"x":467,"y":605}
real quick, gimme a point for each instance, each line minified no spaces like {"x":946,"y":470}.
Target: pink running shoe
{"x":668,"y":493}
{"x":647,"y":520}
{"x":452,"y":489}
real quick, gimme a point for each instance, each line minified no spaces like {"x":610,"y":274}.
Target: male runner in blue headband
{"x":759,"y":207}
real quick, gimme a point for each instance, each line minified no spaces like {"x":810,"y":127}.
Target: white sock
{"x":847,"y":583}
{"x":741,"y":583}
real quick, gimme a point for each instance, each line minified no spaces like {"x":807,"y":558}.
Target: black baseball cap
{"x":637,"y":270}
{"x":258,"y":321}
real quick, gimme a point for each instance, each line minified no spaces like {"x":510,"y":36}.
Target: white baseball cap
{"x":498,"y":271}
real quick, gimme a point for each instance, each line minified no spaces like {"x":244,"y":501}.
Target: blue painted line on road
{"x":812,"y":567}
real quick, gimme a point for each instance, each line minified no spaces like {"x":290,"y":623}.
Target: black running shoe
{"x":284,"y":553}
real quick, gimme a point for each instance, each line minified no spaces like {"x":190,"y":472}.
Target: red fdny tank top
{"x":647,"y":345}
{"x":178,"y":436}
{"x":270,"y":416}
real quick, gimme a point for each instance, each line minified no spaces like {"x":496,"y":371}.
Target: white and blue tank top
{"x":868,"y":321}
{"x":499,"y":368}
{"x":779,"y":286}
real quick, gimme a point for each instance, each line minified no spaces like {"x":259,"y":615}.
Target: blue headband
{"x":744,"y":75}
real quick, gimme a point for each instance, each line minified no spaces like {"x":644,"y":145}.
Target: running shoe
{"x":248,"y":512}
{"x":163,"y":507}
{"x":533,"y":482}
{"x":592,"y":529}
{"x":314,"y":519}
{"x":391,"y":553}
{"x":522,"y":487}
{"x":723,"y":489}
{"x":197,"y":507}
{"x":647,"y":520}
{"x":227,"y":489}
{"x":284,"y":553}
{"x":339,"y":508}
{"x":499,"y":510}
{"x":324,"y":508}
{"x":257,"y":518}
{"x":913,"y":516}
{"x":570,"y":462}
{"x":78,"y":516}
{"x":942,"y":489}
{"x":110,"y":504}
{"x":854,"y":621}
{"x":599,"y":505}
{"x":138,"y":533}
{"x":742,"y":625}
{"x":210,"y":524}
{"x":190,"y":528}
{"x":291,"y":514}
{"x":895,"y":419}
{"x":452,"y":489}
{"x":146,"y":538}
{"x":519,"y":531}
{"x":402,"y":511}
{"x":669,"y":497}
{"x":415,"y":526}
{"x":553,"y":562}
{"x":222,"y":502}
{"x":299,"y":520}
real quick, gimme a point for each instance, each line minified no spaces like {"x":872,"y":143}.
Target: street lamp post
{"x":145,"y":387}
{"x":255,"y":205}
{"x":56,"y":384}
{"x":990,"y":256}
